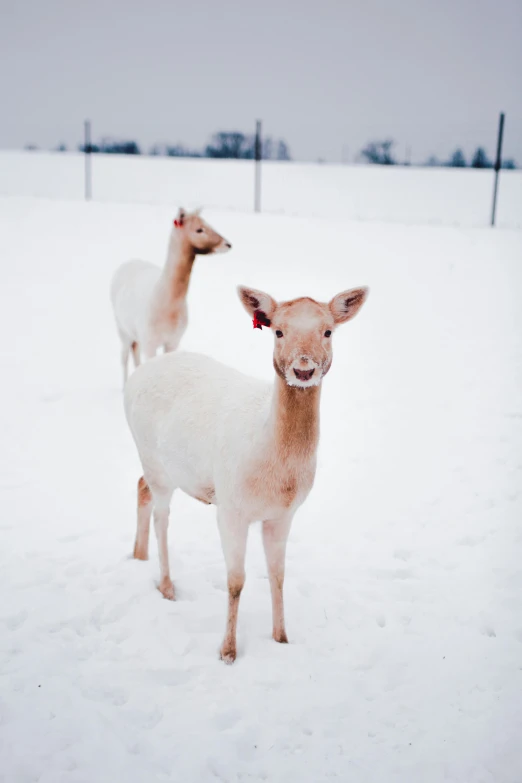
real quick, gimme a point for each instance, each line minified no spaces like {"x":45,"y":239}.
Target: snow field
{"x":403,"y":589}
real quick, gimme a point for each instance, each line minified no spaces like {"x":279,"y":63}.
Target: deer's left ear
{"x":347,"y":304}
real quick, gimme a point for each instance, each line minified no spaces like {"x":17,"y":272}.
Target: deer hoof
{"x":166,"y":589}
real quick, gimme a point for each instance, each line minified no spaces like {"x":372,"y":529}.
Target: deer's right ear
{"x":180,"y":217}
{"x":259,"y":306}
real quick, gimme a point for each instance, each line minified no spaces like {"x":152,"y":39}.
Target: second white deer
{"x":149,"y":303}
{"x":245,"y":446}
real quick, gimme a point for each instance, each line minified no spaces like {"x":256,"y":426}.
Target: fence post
{"x":257,"y":156}
{"x":88,"y":151}
{"x":498,"y":164}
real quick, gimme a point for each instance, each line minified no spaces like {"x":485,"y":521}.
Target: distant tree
{"x":107,"y":146}
{"x":112,"y":147}
{"x":89,"y":148}
{"x":125,"y":148}
{"x":283,"y":151}
{"x":31,"y":147}
{"x":179,"y":151}
{"x":176,"y":151}
{"x":509,"y":163}
{"x":457,"y":160}
{"x":61,"y":147}
{"x":234,"y":144}
{"x":230,"y":144}
{"x":480,"y":159}
{"x":267,"y":148}
{"x":166,"y":150}
{"x":379,"y":152}
{"x":433,"y":161}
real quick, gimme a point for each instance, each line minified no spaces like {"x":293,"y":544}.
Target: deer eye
{"x":328,"y":333}
{"x":279,"y":333}
{"x":199,"y":231}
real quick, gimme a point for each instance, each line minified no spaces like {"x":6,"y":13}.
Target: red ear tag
{"x":177,"y":223}
{"x":260,"y":320}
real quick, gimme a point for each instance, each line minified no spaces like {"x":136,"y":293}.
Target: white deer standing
{"x":236,"y":442}
{"x":149,"y":303}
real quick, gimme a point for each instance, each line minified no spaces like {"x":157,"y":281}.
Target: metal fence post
{"x":257,"y":156}
{"x":88,"y":169}
{"x":498,"y":165}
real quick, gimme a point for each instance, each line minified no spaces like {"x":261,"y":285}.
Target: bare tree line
{"x":223,"y":144}
{"x":238,"y":145}
{"x":382,"y":153}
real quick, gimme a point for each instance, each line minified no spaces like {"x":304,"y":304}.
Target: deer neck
{"x":294,"y":421}
{"x":178,"y":267}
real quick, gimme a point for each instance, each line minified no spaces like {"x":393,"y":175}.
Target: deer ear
{"x":344,"y":306}
{"x":259,"y":306}
{"x":180,"y":217}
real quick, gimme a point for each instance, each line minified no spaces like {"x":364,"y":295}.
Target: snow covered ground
{"x":433,"y":196}
{"x":404,"y":585}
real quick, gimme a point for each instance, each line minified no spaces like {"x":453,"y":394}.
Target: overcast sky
{"x":325,"y":76}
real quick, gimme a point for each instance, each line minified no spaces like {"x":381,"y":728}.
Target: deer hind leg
{"x":141,"y":546}
{"x":233,"y":531}
{"x":275,"y":535}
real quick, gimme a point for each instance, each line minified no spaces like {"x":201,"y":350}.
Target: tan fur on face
{"x":201,"y":237}
{"x":303,"y":323}
{"x":300,"y":326}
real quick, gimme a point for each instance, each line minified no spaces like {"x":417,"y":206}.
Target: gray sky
{"x":432,"y":74}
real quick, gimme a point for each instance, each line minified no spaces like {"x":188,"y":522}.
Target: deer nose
{"x":304,"y":359}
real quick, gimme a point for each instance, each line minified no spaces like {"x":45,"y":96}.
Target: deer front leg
{"x":233,"y":530}
{"x":275,"y":535}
